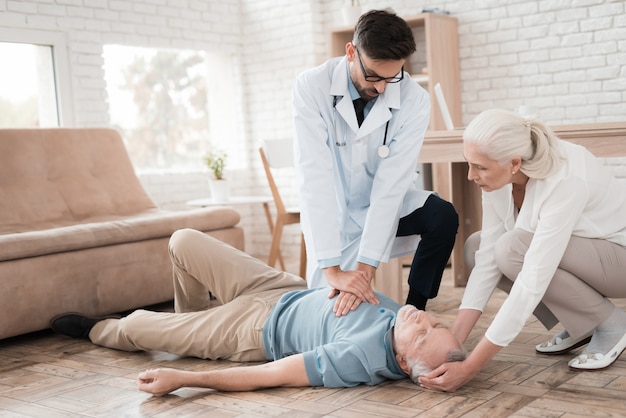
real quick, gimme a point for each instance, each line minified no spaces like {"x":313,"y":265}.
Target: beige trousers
{"x":590,"y":271}
{"x":246,"y":288}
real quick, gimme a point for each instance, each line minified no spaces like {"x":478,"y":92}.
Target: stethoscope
{"x":383,"y":150}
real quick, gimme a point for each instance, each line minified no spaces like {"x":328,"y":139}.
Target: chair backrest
{"x":276,"y":153}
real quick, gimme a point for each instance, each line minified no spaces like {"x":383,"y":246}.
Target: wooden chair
{"x":276,"y":154}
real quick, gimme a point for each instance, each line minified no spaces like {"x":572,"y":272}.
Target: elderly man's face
{"x":417,"y":334}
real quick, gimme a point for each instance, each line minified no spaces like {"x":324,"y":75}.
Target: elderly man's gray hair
{"x":419,"y":368}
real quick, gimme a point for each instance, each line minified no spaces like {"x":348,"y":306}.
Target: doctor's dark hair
{"x":382,"y":35}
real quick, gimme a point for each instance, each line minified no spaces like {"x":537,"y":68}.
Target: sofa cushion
{"x":114,"y":230}
{"x":63,"y":174}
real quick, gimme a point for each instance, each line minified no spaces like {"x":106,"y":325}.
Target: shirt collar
{"x":392,"y":363}
{"x":354,"y":94}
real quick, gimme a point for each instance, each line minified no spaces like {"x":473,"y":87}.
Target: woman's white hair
{"x":502,"y":135}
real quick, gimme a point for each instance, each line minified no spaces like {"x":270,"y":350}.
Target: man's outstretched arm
{"x":288,"y":371}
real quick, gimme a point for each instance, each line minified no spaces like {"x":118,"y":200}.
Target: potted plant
{"x":216,"y":161}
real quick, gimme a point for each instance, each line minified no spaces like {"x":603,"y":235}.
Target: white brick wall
{"x":567,"y":58}
{"x":90,"y":24}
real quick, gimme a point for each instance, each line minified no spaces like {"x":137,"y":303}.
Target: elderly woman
{"x":554,"y":228}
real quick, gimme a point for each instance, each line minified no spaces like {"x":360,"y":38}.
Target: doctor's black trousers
{"x":437,"y":223}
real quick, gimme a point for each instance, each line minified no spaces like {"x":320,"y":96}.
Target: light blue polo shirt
{"x":338,"y":351}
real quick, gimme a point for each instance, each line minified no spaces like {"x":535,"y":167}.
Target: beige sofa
{"x":79,"y":233}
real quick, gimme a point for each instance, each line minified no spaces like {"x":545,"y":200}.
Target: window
{"x":163,"y":103}
{"x":33,"y":79}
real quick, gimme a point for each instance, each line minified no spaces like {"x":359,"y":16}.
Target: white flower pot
{"x":220,"y":190}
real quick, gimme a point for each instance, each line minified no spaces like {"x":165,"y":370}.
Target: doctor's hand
{"x":345,"y":302}
{"x":352,"y":281}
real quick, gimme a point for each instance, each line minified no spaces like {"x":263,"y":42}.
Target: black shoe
{"x":76,"y":325}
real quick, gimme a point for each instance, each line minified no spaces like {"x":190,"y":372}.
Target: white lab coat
{"x":351,"y":200}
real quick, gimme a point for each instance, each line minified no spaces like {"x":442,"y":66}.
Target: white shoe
{"x":596,"y":361}
{"x":558,"y":345}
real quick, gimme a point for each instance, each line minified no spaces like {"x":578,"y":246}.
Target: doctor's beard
{"x":366,"y":93}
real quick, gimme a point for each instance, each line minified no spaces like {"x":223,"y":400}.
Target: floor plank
{"x":46,"y":375}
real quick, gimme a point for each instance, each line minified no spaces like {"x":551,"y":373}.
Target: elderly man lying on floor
{"x":265,"y":314}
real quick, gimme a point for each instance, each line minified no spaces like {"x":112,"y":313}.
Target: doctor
{"x":356,"y":173}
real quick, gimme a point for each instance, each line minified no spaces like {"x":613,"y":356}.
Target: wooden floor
{"x":45,"y":375}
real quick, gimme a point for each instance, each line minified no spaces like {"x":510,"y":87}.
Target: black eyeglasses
{"x":377,"y":78}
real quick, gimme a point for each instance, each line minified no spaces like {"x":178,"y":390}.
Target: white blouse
{"x":581,"y":199}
